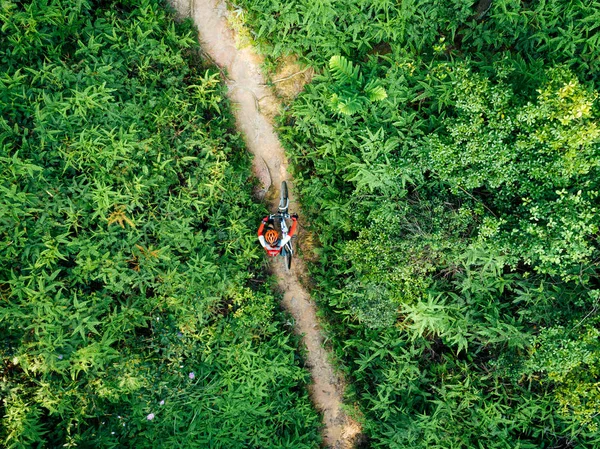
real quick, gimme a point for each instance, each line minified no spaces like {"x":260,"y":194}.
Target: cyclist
{"x":270,"y":239}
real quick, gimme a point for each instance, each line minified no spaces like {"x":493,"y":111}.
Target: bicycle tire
{"x":283,"y":198}
{"x":287,"y":261}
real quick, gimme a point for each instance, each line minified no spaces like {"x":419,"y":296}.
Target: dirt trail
{"x":252,"y":100}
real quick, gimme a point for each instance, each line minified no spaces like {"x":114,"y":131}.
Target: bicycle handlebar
{"x":286,"y":215}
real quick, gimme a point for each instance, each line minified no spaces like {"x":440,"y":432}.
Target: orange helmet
{"x":271,"y":236}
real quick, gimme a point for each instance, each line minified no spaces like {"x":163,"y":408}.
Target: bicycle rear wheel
{"x":283,"y":198}
{"x":287,"y":257}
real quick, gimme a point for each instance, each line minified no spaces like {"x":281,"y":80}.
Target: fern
{"x":374,"y":91}
{"x":350,"y":94}
{"x":344,"y":71}
{"x":349,"y":107}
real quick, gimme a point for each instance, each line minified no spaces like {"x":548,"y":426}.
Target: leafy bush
{"x":543,"y":158}
{"x":133,"y":314}
{"x":457,"y":216}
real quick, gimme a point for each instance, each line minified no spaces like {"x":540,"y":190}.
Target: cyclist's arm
{"x":262,"y":241}
{"x":262,"y":227}
{"x":290,"y":234}
{"x":284,"y":241}
{"x":261,"y":237}
{"x":293,"y":228}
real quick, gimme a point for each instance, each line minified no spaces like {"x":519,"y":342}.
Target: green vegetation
{"x":457,"y":211}
{"x":132,"y":307}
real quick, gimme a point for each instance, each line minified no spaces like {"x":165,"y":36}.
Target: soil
{"x":291,"y":77}
{"x":254,"y":106}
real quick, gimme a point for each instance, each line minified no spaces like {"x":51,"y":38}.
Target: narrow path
{"x":249,"y":96}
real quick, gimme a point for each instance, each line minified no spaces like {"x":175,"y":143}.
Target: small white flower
{"x":191,"y":375}
{"x":150,"y":417}
{"x":162,"y":402}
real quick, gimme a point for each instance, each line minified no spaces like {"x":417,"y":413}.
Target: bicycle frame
{"x":282,"y":212}
{"x":281,"y":217}
{"x":287,"y":251}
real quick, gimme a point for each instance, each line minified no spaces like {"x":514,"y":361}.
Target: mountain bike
{"x":282,"y":214}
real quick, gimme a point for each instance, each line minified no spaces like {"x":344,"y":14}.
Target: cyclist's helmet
{"x":271,"y":236}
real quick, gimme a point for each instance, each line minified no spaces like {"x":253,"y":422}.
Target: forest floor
{"x":255,"y":105}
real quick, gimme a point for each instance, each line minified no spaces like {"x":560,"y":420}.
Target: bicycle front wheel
{"x":283,"y":198}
